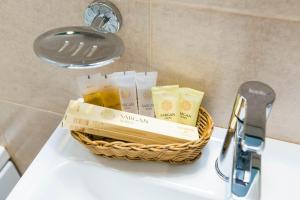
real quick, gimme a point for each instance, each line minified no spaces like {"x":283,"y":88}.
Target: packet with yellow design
{"x":166,"y":102}
{"x":99,"y":90}
{"x":110,"y":93}
{"x":189,"y":104}
{"x":90,"y":88}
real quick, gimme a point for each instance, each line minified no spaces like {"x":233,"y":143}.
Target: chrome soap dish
{"x":84,"y":47}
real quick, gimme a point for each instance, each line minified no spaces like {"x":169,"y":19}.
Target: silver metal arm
{"x":239,"y":161}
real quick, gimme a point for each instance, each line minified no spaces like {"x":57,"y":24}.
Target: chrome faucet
{"x":239,"y":162}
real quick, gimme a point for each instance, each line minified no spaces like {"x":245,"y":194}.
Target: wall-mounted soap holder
{"x":84,"y":47}
{"x":103,"y":16}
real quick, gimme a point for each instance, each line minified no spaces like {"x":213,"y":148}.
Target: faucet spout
{"x":239,"y":161}
{"x":258,"y":99}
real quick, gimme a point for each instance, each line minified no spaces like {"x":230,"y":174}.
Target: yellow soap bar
{"x":166,"y":102}
{"x":189,"y":104}
{"x":125,"y":126}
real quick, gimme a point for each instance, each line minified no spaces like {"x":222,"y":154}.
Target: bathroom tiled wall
{"x":208,"y":45}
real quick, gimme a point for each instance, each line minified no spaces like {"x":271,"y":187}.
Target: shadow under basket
{"x":177,"y":153}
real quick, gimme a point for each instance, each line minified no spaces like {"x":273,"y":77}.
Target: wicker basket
{"x":173,"y":153}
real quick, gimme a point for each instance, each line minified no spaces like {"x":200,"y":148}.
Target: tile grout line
{"x":282,"y":140}
{"x":31,"y":107}
{"x":233,"y":11}
{"x":150,"y":35}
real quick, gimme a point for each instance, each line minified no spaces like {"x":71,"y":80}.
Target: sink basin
{"x":64,"y":169}
{"x":76,"y":180}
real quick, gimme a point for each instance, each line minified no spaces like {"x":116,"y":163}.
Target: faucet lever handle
{"x":256,"y":102}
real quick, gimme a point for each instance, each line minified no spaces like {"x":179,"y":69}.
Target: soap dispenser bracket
{"x":103,"y":16}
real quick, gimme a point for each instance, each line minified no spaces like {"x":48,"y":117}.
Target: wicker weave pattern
{"x":173,"y":153}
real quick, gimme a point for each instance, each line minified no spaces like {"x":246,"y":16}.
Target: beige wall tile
{"x":288,"y":10}
{"x":25,"y":131}
{"x":216,"y":52}
{"x":135,"y":33}
{"x":27,"y":80}
{"x":2,"y":139}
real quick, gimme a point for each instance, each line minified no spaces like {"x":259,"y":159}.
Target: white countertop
{"x":280,"y":175}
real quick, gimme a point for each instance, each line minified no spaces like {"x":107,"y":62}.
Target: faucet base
{"x":221,"y":175}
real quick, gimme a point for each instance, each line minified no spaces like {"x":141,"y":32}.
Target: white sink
{"x":76,"y":180}
{"x":64,"y":169}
